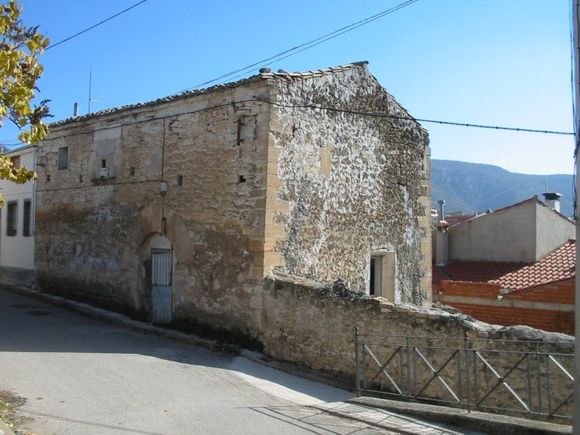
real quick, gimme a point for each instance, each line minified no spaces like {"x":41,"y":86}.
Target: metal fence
{"x":505,"y":376}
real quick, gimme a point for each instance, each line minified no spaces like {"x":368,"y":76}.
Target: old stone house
{"x":180,"y":207}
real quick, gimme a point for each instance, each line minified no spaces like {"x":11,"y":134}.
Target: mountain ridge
{"x":475,"y":187}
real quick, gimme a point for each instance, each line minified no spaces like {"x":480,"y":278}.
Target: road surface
{"x":85,"y":376}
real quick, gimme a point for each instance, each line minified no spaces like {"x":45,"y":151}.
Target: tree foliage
{"x":20,"y":47}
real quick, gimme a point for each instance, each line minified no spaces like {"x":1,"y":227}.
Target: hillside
{"x":470,"y":187}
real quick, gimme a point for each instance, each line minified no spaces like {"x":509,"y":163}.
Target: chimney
{"x":76,"y":110}
{"x":441,"y":209}
{"x":553,"y":200}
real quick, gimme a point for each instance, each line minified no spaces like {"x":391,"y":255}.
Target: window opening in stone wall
{"x":63,"y":158}
{"x":15,"y":161}
{"x":132,"y":171}
{"x":241,"y":179}
{"x":47,"y":178}
{"x":180,"y":180}
{"x":382,"y":275}
{"x":80,"y":178}
{"x":376,"y":275}
{"x":103,"y":163}
{"x":11,"y":218}
{"x":27,"y":218}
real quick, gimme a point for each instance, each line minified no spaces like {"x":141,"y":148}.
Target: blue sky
{"x":480,"y":61}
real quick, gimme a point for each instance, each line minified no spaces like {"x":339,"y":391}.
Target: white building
{"x":17,"y":221}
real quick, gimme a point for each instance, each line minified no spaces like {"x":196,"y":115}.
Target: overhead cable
{"x":95,"y":25}
{"x":307,"y":45}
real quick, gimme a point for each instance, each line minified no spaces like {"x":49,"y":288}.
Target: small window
{"x":47,"y":178}
{"x":63,"y":158}
{"x":15,"y":161}
{"x":132,"y":171}
{"x":103,"y":163}
{"x":11,"y":218}
{"x":180,"y":180}
{"x":376,"y":284}
{"x":27,"y":218}
{"x":382,"y":279}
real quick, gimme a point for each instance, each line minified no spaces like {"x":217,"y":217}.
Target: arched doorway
{"x":159,"y":249}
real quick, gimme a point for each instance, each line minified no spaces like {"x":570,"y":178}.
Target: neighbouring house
{"x":516,"y":265}
{"x":17,"y":221}
{"x":177,"y":209}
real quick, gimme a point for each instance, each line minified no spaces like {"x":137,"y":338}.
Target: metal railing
{"x":504,"y":376}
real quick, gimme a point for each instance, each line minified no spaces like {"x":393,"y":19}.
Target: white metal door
{"x":161,"y":280}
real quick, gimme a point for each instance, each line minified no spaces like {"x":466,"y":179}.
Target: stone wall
{"x":343,"y":185}
{"x":314,"y":324}
{"x":94,"y":233}
{"x":239,"y":182}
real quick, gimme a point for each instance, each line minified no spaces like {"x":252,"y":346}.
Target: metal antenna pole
{"x":90,"y":87}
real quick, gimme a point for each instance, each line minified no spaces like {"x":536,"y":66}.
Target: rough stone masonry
{"x":307,"y":174}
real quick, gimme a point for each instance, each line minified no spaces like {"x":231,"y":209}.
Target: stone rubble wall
{"x":345,"y":185}
{"x":313,"y":324}
{"x":94,"y":234}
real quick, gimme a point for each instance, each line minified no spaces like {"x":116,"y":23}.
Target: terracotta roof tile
{"x":267,"y":74}
{"x":558,"y":266}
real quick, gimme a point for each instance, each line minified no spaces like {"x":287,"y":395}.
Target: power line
{"x":95,"y":25}
{"x":307,"y":45}
{"x":410,"y":118}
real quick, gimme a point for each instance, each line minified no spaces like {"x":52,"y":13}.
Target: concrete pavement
{"x":84,"y":376}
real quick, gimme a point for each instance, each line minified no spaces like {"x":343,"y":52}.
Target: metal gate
{"x":161,"y":280}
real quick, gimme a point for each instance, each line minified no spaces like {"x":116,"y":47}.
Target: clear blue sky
{"x":481,"y":61}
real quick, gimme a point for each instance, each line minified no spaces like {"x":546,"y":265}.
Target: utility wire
{"x":95,"y":25}
{"x":410,"y":118}
{"x":307,"y":45}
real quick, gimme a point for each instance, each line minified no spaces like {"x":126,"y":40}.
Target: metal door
{"x":162,"y":293}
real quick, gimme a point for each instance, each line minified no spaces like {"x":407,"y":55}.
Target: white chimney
{"x":553,"y":200}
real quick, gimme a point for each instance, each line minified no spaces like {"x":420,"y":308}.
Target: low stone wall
{"x":314,"y":324}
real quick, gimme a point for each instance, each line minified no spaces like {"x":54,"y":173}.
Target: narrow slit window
{"x":180,"y":180}
{"x":63,"y":158}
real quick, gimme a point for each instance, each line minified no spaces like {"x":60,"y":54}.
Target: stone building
{"x":180,"y":207}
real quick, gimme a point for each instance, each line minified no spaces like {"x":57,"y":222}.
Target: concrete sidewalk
{"x":473,"y":420}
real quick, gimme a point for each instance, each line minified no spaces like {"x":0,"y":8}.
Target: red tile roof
{"x":560,"y":265}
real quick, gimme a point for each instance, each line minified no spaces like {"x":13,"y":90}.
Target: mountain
{"x":474,"y":187}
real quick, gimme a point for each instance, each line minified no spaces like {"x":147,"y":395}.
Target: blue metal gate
{"x":161,"y":280}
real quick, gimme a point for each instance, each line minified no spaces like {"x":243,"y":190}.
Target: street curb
{"x":480,"y":421}
{"x":4,"y":429}
{"x":120,"y":319}
{"x":296,"y":370}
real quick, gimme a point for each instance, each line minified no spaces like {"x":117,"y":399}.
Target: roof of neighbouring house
{"x":560,"y":265}
{"x":534,"y":199}
{"x":458,"y":218}
{"x":264,"y":73}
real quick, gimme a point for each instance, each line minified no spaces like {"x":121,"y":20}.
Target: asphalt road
{"x":84,"y":376}
{"x":79,"y":375}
